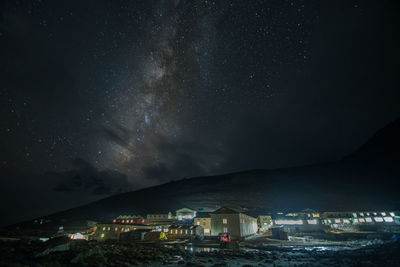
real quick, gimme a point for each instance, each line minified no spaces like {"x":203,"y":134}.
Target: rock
{"x":47,"y":251}
{"x":86,"y":253}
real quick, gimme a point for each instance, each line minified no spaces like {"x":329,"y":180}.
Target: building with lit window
{"x":185,"y":214}
{"x":106,"y":231}
{"x":127,"y":219}
{"x":204,"y":220}
{"x":238,"y":224}
{"x":160,"y":219}
{"x":185,"y":232}
{"x":264,"y":223}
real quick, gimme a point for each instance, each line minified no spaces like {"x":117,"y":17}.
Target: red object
{"x":224,"y":237}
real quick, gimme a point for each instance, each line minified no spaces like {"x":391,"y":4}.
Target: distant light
{"x":388,"y":219}
{"x":378,"y":219}
{"x":289,"y":222}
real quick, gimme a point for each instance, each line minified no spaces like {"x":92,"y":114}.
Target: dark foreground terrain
{"x":64,"y":252}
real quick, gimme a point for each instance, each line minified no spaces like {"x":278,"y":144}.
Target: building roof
{"x":185,"y":210}
{"x":225,"y":210}
{"x":203,"y":215}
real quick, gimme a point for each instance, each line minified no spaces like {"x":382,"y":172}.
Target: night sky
{"x":100,"y":97}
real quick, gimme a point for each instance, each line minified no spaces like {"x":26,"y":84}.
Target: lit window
{"x":109,"y":228}
{"x":186,"y":231}
{"x":354,"y":215}
{"x":368,"y":219}
{"x":316,"y":215}
{"x":337,"y":220}
{"x":314,"y":221}
{"x":224,"y":221}
{"x":378,"y":219}
{"x":225,"y":229}
{"x":383,"y":213}
{"x":191,"y":232}
{"x":102,"y":235}
{"x":288,"y":222}
{"x":367,"y":213}
{"x":392,"y":214}
{"x":114,"y":221}
{"x":346,"y":221}
{"x":206,"y":231}
{"x":122,"y":229}
{"x":116,"y":228}
{"x":104,"y":228}
{"x":361,"y":214}
{"x":198,"y":223}
{"x":362,"y":220}
{"x":123,"y":221}
{"x":388,"y":219}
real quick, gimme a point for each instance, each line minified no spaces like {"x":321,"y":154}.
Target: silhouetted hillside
{"x":343,"y":185}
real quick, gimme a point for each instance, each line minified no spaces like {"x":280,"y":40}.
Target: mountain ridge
{"x":363,"y":180}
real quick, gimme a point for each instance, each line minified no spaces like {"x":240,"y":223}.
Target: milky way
{"x":101,"y":97}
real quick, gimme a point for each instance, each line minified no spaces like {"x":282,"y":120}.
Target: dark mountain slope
{"x":368,"y":179}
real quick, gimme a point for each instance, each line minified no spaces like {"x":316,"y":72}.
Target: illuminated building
{"x":204,"y":220}
{"x":226,"y":220}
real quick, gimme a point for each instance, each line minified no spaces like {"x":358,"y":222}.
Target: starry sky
{"x":101,"y":97}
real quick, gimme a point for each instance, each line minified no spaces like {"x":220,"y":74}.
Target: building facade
{"x":160,"y":219}
{"x":239,"y":225}
{"x":185,"y":214}
{"x":106,"y":231}
{"x":204,"y":220}
{"x":185,"y":231}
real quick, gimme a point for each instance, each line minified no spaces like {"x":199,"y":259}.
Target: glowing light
{"x":289,"y":222}
{"x":78,"y":236}
{"x":388,"y":219}
{"x":362,"y":219}
{"x":368,"y":219}
{"x":392,"y":214}
{"x":378,"y":219}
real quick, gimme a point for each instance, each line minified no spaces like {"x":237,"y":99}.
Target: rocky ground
{"x":65,"y":252}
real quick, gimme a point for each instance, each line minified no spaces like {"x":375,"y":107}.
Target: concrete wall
{"x":248,"y":225}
